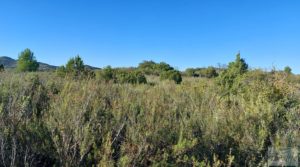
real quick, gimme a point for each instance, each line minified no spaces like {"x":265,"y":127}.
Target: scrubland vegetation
{"x":146,"y":116}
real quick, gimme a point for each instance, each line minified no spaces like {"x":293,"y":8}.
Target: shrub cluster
{"x":153,"y":68}
{"x":122,"y":76}
{"x":75,"y":68}
{"x":46,"y":120}
{"x":209,"y":72}
{"x":172,"y":75}
{"x":162,"y":69}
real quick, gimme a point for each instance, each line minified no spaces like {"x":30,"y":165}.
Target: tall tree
{"x":27,"y":61}
{"x":75,"y":65}
{"x":234,"y":70}
{"x":239,"y":66}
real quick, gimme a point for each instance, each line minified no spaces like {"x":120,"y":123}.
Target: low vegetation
{"x":117,"y":118}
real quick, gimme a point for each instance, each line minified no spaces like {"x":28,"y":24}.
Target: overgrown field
{"x":46,"y":120}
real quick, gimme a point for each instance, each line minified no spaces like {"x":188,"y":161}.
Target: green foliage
{"x":238,"y":67}
{"x":162,"y":66}
{"x":47,"y":120}
{"x":235,"y":69}
{"x":209,"y":72}
{"x":27,"y":61}
{"x":2,"y":68}
{"x":152,"y":68}
{"x":75,"y":68}
{"x":288,"y":70}
{"x":148,"y":67}
{"x":122,"y":76}
{"x":171,"y":75}
{"x":191,"y":72}
{"x":75,"y":65}
{"x":107,"y":74}
{"x":61,"y":71}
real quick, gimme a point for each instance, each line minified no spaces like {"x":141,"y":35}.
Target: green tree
{"x":234,"y":70}
{"x":288,"y":70}
{"x":75,"y":65}
{"x":162,"y":66}
{"x":152,"y":68}
{"x":27,"y":61}
{"x":239,"y":66}
{"x":75,"y":68}
{"x":107,"y":74}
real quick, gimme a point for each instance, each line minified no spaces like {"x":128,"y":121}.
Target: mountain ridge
{"x":10,"y":63}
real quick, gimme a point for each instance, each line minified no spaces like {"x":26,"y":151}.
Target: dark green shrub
{"x":140,"y":78}
{"x":107,"y":74}
{"x":191,"y":72}
{"x":2,"y":68}
{"x":148,"y":67}
{"x":152,"y":68}
{"x":171,"y":75}
{"x":61,"y":71}
{"x":122,"y":76}
{"x":209,"y":72}
{"x":132,"y":77}
{"x":288,"y":70}
{"x":125,"y":77}
{"x":75,"y":68}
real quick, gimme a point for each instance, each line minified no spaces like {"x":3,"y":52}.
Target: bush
{"x":75,"y":68}
{"x":152,"y":68}
{"x":171,"y":75}
{"x":2,"y":68}
{"x":122,"y":76}
{"x":288,"y":70}
{"x":209,"y":72}
{"x":191,"y":72}
{"x":61,"y":71}
{"x":148,"y":67}
{"x":107,"y":74}
{"x":50,"y":121}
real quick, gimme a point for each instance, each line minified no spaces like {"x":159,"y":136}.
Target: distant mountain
{"x":10,"y":63}
{"x":91,"y":67}
{"x":46,"y":67}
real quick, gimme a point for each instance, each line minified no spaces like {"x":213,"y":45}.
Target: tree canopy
{"x":234,"y":70}
{"x":27,"y":61}
{"x":288,"y":70}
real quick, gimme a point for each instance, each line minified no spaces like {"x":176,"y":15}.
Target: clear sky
{"x":183,"y":33}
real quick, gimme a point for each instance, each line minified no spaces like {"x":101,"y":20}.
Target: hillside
{"x":10,"y":63}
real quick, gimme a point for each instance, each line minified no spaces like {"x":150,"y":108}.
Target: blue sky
{"x":183,"y":33}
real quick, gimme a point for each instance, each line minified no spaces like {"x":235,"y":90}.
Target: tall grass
{"x":50,"y":121}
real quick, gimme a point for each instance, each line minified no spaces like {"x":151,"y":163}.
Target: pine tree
{"x":27,"y":61}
